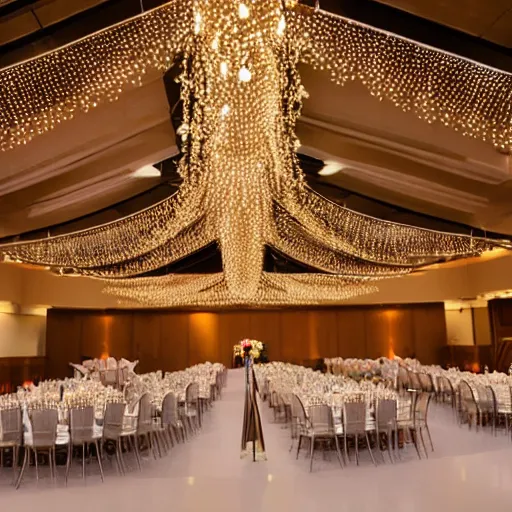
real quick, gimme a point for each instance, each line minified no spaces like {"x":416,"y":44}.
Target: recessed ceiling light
{"x":148,"y":171}
{"x":330,"y":167}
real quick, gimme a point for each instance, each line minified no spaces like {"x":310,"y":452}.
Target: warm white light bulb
{"x":244,"y":75}
{"x":243,"y":11}
{"x":225,"y":110}
{"x":224,"y":68}
{"x":281,"y":26}
{"x":197,"y":23}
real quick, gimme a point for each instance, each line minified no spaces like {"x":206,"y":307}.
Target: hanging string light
{"x":242,"y":185}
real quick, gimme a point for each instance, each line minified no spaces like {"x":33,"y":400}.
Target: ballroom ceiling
{"x":370,"y":148}
{"x":490,"y":20}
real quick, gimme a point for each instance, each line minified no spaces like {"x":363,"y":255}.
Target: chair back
{"x":145,"y":419}
{"x":113,"y":420}
{"x":169,"y":410}
{"x":426,"y":382}
{"x":386,"y":414}
{"x":414,"y":381}
{"x":192,"y":393}
{"x":11,"y":425}
{"x":81,"y":423}
{"x":444,"y":385}
{"x":485,"y":399}
{"x":354,"y":417}
{"x":503,"y":398}
{"x":421,"y":408}
{"x":109,"y":377}
{"x":44,"y":427}
{"x":402,"y":378}
{"x":298,"y":410}
{"x":321,"y":420}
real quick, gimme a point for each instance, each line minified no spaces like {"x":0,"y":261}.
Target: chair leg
{"x":298,"y":446}
{"x":37,"y":464}
{"x":23,"y":467}
{"x":414,"y":437}
{"x":98,"y":456}
{"x":50,"y":463}
{"x":356,"y":442}
{"x":390,"y":434}
{"x":370,"y":448}
{"x":429,"y":437}
{"x":346,"y":447}
{"x":83,"y":461}
{"x":135,"y":443}
{"x":311,"y":452}
{"x":68,"y":461}
{"x":119,"y":456}
{"x":156,"y":440}
{"x":54,"y":459}
{"x":338,"y":451}
{"x":15,"y":453}
{"x":423,"y":442}
{"x":169,"y":434}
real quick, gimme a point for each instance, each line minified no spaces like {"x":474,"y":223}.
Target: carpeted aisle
{"x":468,"y":471}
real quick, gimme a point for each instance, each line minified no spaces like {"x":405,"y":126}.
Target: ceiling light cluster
{"x":242,"y":185}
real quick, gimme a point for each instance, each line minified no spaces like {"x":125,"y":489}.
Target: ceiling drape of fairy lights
{"x":242,"y":185}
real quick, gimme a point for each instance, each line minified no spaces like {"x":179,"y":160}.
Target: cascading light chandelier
{"x":242,"y":184}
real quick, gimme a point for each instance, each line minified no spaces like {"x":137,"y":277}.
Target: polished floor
{"x":468,"y":472}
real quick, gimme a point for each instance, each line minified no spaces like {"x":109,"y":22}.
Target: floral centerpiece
{"x":252,"y":347}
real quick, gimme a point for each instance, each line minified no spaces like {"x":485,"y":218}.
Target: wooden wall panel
{"x":377,"y":333}
{"x":295,"y":336}
{"x":63,"y":344}
{"x":203,"y":337}
{"x":351,"y":333}
{"x":429,"y":334}
{"x":172,"y":340}
{"x":121,"y":341}
{"x":96,"y":335}
{"x":233,"y":327}
{"x":266,"y":326}
{"x":174,"y":344}
{"x":326,"y":327}
{"x":147,"y":340}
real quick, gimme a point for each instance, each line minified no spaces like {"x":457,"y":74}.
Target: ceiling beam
{"x":424,"y":31}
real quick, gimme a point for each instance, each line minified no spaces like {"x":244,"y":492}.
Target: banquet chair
{"x":386,"y":423}
{"x":145,"y":428}
{"x":83,"y":433}
{"x":295,"y":425}
{"x":190,"y":410}
{"x":402,"y":379}
{"x":446,"y":391}
{"x":318,"y":424}
{"x":419,"y":422}
{"x":503,"y":398}
{"x":414,"y":381}
{"x":427,"y":385}
{"x":170,"y":419}
{"x":354,"y":425}
{"x":109,"y":377}
{"x":467,"y":406}
{"x":486,"y":405}
{"x":11,"y":434}
{"x":43,"y":438}
{"x":114,"y":429}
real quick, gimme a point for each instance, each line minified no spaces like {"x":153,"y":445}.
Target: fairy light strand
{"x":242,"y":184}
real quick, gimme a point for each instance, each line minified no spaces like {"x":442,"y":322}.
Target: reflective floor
{"x":468,"y":472}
